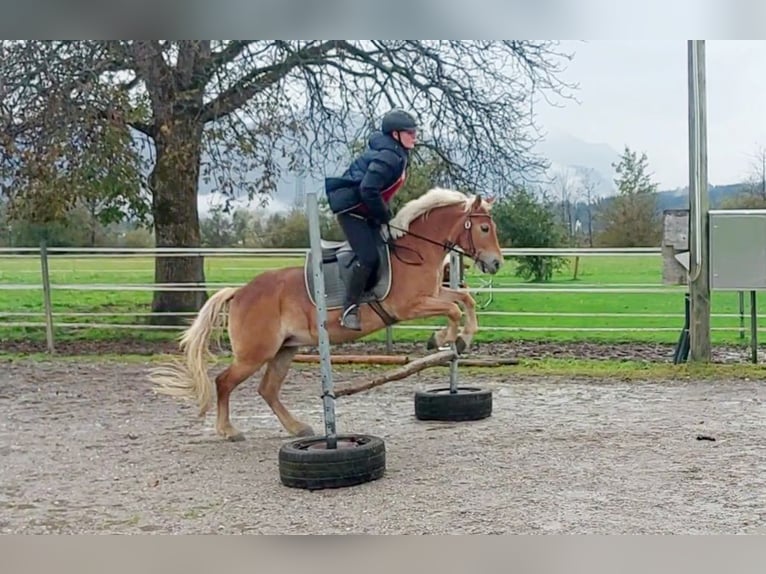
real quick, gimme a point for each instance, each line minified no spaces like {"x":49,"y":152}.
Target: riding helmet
{"x":398,"y":120}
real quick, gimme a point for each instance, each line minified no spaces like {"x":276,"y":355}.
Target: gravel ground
{"x":88,"y":448}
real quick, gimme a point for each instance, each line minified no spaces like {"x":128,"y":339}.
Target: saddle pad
{"x":337,"y":270}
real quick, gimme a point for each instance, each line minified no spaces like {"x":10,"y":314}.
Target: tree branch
{"x":193,"y":58}
{"x":283,"y":103}
{"x":144,"y":128}
{"x":261,"y":79}
{"x":226,"y":56}
{"x":151,"y":67}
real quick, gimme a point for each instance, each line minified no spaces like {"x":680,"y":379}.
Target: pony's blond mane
{"x":433,"y":198}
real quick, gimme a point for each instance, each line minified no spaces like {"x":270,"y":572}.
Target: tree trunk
{"x":175,"y":177}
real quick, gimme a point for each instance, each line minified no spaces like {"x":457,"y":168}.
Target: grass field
{"x":533,"y":311}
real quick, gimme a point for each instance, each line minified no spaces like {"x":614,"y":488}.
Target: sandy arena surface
{"x":89,"y":448}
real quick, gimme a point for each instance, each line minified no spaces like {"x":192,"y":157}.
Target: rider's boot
{"x":350,"y":316}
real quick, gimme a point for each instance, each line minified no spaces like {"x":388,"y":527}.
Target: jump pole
{"x":476,"y":361}
{"x":454,"y":281}
{"x":325,"y":362}
{"x":332,"y":460}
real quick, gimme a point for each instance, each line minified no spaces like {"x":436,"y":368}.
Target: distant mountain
{"x":566,"y":152}
{"x":679,"y":198}
{"x":666,"y":199}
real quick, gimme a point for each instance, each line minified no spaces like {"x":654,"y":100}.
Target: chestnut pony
{"x":272,"y":316}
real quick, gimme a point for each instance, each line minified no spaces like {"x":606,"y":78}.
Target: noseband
{"x":467,"y":224}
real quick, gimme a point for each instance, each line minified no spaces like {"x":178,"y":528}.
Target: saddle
{"x":337,"y":257}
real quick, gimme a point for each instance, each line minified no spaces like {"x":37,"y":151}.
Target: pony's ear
{"x":476,"y":202}
{"x":490,"y":199}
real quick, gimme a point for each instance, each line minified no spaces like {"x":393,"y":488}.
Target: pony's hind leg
{"x":225,"y":383}
{"x":269,"y":388}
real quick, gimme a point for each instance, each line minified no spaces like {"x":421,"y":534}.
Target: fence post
{"x":47,"y":295}
{"x":753,"y":328}
{"x":741,"y":314}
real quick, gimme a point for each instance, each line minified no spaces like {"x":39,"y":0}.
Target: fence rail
{"x":50,"y":318}
{"x":301,"y":251}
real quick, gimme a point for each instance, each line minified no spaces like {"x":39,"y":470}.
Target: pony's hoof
{"x":236,"y":437}
{"x":431,"y":344}
{"x":305,"y":430}
{"x":460,"y":345}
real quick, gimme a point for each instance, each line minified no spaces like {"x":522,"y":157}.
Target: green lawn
{"x":551,"y":314}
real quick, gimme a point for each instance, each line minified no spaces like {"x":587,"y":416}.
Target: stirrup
{"x":350,"y":318}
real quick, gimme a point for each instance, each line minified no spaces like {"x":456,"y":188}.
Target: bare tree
{"x":588,"y":185}
{"x":756,"y":182}
{"x":235,"y":114}
{"x":752,"y":193}
{"x":566,"y":189}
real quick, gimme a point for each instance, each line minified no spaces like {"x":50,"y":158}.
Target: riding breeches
{"x":364,"y":238}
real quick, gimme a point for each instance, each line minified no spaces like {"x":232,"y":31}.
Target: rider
{"x":360,"y":198}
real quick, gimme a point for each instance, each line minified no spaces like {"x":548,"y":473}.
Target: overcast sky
{"x":635,"y":93}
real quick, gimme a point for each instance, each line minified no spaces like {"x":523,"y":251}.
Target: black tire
{"x":467,"y":404}
{"x":308,"y":463}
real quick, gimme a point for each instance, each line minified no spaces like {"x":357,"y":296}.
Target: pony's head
{"x":479,"y":238}
{"x":470,"y":227}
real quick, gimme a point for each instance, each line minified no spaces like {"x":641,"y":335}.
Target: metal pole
{"x":741,"y":314}
{"x":682,"y":348}
{"x":328,"y":397}
{"x":47,"y":295}
{"x":454,"y":280}
{"x":753,"y":328}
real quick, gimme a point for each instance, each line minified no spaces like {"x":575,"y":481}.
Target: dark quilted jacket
{"x":361,"y":185}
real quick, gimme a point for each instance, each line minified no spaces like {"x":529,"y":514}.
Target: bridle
{"x":447,"y":245}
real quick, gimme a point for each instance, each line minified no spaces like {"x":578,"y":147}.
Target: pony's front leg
{"x":466,"y":335}
{"x":439,"y":337}
{"x":471,"y":326}
{"x":435,"y":307}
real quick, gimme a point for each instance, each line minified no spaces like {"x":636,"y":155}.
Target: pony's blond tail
{"x":189,"y":379}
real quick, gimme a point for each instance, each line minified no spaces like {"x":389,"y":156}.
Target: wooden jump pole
{"x":357,"y":359}
{"x":477,"y":361}
{"x":440,"y":358}
{"x":432,"y":360}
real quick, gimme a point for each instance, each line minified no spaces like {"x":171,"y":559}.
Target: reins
{"x":446,"y":245}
